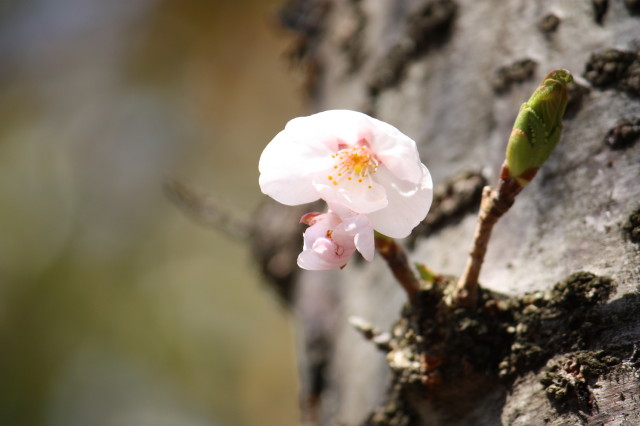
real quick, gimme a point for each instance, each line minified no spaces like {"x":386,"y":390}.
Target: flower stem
{"x":396,"y":258}
{"x":494,"y":204}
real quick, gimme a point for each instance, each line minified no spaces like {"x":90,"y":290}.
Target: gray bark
{"x":451,"y":75}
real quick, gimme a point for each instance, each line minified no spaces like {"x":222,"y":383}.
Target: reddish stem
{"x":396,"y":258}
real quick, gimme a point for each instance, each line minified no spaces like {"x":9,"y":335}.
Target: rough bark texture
{"x":452,"y":74}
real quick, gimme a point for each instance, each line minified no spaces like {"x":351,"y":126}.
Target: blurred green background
{"x":115,"y":309}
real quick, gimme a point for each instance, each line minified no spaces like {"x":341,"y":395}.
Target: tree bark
{"x":452,"y":75}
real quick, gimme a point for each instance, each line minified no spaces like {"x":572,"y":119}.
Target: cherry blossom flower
{"x":351,"y":160}
{"x":330,"y":241}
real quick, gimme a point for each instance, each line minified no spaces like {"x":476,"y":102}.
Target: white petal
{"x":346,"y":126}
{"x":288,"y":163}
{"x":341,"y":211}
{"x":286,"y":189}
{"x":353,"y":195}
{"x":397,"y":151}
{"x":303,"y":150}
{"x":408,"y":204}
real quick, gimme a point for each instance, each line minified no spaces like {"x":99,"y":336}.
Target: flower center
{"x":355,"y":164}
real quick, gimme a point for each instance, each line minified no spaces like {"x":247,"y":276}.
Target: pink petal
{"x":364,"y":239}
{"x":310,"y":218}
{"x":323,"y":224}
{"x":323,"y":255}
{"x":310,"y":260}
{"x":356,"y":227}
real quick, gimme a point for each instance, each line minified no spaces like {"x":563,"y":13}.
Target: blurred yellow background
{"x":115,"y":309}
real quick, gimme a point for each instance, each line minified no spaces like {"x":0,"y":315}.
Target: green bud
{"x":537,"y":128}
{"x":425,"y":273}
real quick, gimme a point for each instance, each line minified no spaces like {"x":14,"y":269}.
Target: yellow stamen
{"x":357,"y":162}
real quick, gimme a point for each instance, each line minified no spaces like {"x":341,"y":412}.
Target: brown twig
{"x":381,"y":339}
{"x":396,"y":258}
{"x":205,"y":210}
{"x":494,"y":204}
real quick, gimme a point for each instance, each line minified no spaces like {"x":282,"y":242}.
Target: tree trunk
{"x":553,"y":338}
